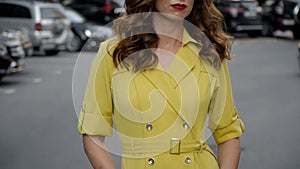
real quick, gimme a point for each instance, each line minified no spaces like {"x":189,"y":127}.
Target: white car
{"x":46,"y":24}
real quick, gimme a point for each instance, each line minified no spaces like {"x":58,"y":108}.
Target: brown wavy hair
{"x":133,"y":39}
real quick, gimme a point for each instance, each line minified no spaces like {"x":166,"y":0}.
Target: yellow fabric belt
{"x":173,"y":146}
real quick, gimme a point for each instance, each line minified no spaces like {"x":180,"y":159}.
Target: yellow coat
{"x":161,"y":115}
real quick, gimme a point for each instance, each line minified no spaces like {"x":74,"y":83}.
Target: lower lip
{"x":178,"y":6}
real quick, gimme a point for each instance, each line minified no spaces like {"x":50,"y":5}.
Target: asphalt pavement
{"x":266,"y":83}
{"x":39,"y":125}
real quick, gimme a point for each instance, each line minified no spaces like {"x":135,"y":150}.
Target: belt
{"x":173,"y":146}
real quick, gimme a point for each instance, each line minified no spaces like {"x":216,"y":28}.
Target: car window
{"x":14,"y":11}
{"x":52,"y":13}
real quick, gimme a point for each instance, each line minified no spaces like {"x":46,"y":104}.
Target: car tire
{"x":74,"y":44}
{"x":267,"y":29}
{"x":51,"y":52}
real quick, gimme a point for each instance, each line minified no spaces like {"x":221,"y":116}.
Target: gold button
{"x":185,"y":125}
{"x":188,"y":160}
{"x":151,"y":161}
{"x":149,"y":127}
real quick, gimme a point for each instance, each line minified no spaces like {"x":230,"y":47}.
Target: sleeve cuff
{"x":233,"y":130}
{"x":93,"y":124}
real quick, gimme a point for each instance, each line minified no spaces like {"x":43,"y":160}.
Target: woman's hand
{"x":95,"y":149}
{"x":229,"y":154}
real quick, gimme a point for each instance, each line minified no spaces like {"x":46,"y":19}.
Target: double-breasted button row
{"x":149,"y":126}
{"x":187,"y":160}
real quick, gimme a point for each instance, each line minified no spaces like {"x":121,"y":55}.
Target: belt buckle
{"x":175,"y":144}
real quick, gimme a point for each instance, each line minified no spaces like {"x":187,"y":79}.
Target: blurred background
{"x":40,"y":42}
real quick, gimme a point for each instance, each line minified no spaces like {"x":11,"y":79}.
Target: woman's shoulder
{"x":104,"y":58}
{"x":108,"y":45}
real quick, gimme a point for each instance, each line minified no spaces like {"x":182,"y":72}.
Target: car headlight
{"x":3,"y":51}
{"x":88,"y":32}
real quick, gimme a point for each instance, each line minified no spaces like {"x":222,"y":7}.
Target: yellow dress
{"x":161,"y":115}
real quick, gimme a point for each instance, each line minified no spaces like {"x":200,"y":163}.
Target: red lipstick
{"x":179,"y":6}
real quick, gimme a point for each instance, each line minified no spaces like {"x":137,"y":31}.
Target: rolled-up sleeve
{"x":96,"y":114}
{"x":230,"y":125}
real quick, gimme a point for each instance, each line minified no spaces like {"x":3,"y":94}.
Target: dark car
{"x":281,"y":15}
{"x":83,"y":30}
{"x":241,"y":16}
{"x":101,"y":11}
{"x":5,"y":60}
{"x":15,"y":51}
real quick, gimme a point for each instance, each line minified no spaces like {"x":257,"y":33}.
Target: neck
{"x":169,"y":31}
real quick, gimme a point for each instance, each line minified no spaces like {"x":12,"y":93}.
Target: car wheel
{"x":51,"y":52}
{"x":267,"y":29}
{"x":74,"y":44}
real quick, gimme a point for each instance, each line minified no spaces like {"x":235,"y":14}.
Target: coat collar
{"x":181,"y":60}
{"x":187,"y":38}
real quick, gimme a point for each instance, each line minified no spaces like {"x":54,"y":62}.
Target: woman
{"x":159,"y":79}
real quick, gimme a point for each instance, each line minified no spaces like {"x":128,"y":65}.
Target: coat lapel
{"x":184,"y":82}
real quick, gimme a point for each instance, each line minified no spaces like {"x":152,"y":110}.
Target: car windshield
{"x":74,"y":16}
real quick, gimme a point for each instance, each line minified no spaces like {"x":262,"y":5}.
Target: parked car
{"x":15,"y":51}
{"x":5,"y":60}
{"x":281,"y":15}
{"x":241,"y":16}
{"x":46,"y":24}
{"x":22,"y":36}
{"x":101,"y":11}
{"x":83,"y":30}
